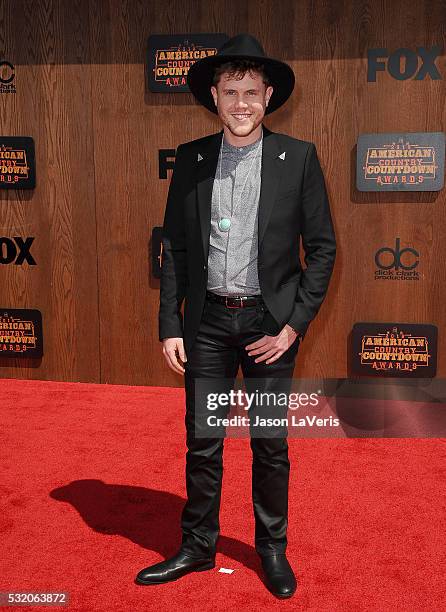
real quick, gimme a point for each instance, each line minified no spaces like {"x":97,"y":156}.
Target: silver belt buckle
{"x":237,"y":298}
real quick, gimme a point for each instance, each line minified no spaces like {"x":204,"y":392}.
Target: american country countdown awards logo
{"x":7,"y":77}
{"x":412,"y":161}
{"x":20,"y":333}
{"x":394,"y":349}
{"x":171,"y":56}
{"x":17,"y":162}
{"x":397,"y":263}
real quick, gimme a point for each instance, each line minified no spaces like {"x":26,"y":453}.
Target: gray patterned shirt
{"x":232,"y":261}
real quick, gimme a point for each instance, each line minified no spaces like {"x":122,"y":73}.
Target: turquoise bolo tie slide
{"x":224,"y":224}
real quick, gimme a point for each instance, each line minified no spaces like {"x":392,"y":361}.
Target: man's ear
{"x":269,"y":93}
{"x":214,"y":94}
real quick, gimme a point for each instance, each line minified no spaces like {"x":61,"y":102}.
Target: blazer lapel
{"x":272,"y":167}
{"x":206,"y":171}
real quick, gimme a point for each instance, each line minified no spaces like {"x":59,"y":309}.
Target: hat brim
{"x":201,"y":74}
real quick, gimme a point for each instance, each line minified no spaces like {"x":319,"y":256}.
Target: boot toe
{"x":280,"y":578}
{"x":171,"y":569}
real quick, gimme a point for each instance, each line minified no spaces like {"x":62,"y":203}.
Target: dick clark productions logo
{"x":7,"y":76}
{"x":397,"y":263}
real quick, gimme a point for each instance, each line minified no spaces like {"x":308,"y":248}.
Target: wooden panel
{"x":53,"y":105}
{"x":81,"y":93}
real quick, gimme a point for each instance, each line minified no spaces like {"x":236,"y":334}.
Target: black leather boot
{"x":280,"y":578}
{"x":172,"y":569}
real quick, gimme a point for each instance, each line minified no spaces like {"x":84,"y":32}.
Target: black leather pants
{"x":217,"y":353}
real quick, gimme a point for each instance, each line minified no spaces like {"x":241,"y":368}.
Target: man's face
{"x":241,"y":103}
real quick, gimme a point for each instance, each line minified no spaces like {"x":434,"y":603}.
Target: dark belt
{"x":235,"y":301}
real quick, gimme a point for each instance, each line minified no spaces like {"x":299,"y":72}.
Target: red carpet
{"x":93,"y":485}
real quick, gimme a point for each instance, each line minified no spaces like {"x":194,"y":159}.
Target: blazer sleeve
{"x":173,"y":261}
{"x":318,"y":241}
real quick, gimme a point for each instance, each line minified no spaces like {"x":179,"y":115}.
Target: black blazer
{"x":293,"y":202}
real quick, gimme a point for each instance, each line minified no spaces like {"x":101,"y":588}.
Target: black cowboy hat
{"x":242,"y":46}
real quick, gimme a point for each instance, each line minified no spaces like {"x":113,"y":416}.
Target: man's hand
{"x":172,"y":349}
{"x":272,"y":347}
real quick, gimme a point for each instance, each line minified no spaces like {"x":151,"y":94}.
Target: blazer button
{"x":204,"y":267}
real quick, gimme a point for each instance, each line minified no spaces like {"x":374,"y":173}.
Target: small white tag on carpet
{"x":225,"y":570}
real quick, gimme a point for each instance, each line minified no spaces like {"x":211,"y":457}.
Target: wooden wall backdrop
{"x":82,"y":95}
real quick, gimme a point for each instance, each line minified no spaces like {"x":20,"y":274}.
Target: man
{"x":238,"y":202}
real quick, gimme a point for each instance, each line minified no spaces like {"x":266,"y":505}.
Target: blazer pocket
{"x":295,"y":278}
